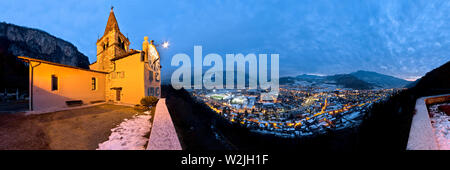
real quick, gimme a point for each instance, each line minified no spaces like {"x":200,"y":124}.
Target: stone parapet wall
{"x":421,"y":134}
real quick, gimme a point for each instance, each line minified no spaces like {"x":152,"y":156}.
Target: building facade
{"x":120,"y":74}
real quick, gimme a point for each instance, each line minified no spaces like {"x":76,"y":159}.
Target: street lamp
{"x":165,"y":44}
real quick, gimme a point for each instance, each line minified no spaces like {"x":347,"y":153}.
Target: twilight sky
{"x":402,"y":38}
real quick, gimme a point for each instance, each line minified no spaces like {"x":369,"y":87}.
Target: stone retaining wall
{"x":421,"y":135}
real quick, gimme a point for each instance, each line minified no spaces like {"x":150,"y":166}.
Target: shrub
{"x":149,"y":101}
{"x":141,"y":108}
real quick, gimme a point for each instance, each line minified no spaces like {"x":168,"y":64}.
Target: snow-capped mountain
{"x":356,"y":80}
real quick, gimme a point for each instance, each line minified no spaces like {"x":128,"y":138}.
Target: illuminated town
{"x":297,"y":111}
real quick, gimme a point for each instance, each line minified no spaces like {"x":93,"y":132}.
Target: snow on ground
{"x":129,"y":135}
{"x":441,"y":125}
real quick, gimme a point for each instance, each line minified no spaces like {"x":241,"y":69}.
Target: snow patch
{"x":441,"y":125}
{"x":129,"y":135}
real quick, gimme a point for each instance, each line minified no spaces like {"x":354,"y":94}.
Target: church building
{"x":120,"y":74}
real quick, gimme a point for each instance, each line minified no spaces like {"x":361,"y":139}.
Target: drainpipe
{"x":32,"y":83}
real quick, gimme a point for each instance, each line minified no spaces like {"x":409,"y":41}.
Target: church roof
{"x":57,"y":64}
{"x":112,"y":23}
{"x":131,"y":52}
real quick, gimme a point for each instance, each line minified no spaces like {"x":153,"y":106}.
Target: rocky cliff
{"x":22,"y":41}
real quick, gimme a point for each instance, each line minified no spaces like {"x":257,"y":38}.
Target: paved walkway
{"x":50,"y":110}
{"x":163,"y":135}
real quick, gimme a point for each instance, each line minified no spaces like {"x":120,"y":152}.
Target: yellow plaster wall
{"x":73,"y":84}
{"x":132,"y":83}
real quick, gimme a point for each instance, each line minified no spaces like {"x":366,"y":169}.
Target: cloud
{"x":401,"y":38}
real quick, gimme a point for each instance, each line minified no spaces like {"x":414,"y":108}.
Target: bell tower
{"x":111,"y":45}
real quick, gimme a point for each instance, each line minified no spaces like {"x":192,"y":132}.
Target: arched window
{"x":121,"y":44}
{"x":157,"y":92}
{"x":150,"y":76}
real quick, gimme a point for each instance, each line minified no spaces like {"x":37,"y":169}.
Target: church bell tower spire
{"x":112,"y":44}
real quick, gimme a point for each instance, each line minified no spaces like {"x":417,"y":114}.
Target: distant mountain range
{"x":381,"y":80}
{"x":361,"y":80}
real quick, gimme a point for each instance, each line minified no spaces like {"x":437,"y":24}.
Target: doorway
{"x":118,"y":92}
{"x":118,"y":95}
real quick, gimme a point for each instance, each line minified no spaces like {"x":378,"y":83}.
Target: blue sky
{"x":400,"y":38}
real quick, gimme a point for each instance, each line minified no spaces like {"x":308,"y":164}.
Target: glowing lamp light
{"x":165,"y":44}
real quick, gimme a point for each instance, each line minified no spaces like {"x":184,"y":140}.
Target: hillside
{"x":436,"y":81}
{"x":388,"y":123}
{"x":349,"y":81}
{"x":384,"y":81}
{"x":360,"y":80}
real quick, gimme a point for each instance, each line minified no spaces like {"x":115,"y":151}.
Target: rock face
{"x":22,"y":41}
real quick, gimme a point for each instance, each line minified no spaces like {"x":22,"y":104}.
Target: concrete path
{"x":50,"y":110}
{"x":163,"y":135}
